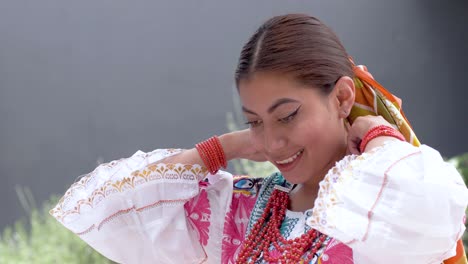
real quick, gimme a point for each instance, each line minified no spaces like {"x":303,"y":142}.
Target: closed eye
{"x":254,"y":123}
{"x":290,"y":117}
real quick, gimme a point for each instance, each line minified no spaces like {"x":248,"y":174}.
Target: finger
{"x":352,"y":142}
{"x":353,"y":147}
{"x":355,"y":136}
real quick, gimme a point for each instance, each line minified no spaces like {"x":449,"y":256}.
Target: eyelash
{"x":283,"y":120}
{"x":253,"y":123}
{"x":290,"y":117}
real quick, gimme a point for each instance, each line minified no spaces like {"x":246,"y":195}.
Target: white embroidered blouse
{"x":398,"y":204}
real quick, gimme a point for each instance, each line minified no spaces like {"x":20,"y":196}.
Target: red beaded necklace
{"x":267,"y":232}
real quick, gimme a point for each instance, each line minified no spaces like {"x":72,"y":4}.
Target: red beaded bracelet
{"x":212,"y":154}
{"x":377,"y":131}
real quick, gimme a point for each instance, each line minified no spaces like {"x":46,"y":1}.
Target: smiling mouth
{"x":290,"y":159}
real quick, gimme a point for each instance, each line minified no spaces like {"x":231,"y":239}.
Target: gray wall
{"x":82,"y":81}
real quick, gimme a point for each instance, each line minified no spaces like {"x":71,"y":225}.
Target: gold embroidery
{"x":152,"y":172}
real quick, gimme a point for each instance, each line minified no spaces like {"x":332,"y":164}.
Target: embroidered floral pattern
{"x":288,"y":225}
{"x":99,"y":188}
{"x":262,"y":199}
{"x":237,"y":219}
{"x":294,"y":223}
{"x":336,"y":179}
{"x":336,"y":253}
{"x":327,"y":197}
{"x":198,"y":213}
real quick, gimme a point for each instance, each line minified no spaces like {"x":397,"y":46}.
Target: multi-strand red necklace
{"x":266,"y":232}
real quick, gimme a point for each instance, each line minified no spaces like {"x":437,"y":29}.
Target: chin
{"x":294,"y":178}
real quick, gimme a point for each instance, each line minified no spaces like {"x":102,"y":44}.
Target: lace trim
{"x":153,"y":173}
{"x":337,"y":177}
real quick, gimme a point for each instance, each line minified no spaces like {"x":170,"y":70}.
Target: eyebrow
{"x":275,"y":105}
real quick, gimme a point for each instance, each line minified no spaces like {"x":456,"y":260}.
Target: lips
{"x":290,"y":159}
{"x":289,"y":163}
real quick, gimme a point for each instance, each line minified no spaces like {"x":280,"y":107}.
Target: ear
{"x":344,"y":93}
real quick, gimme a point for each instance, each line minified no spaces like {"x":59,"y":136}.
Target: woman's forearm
{"x":230,"y":144}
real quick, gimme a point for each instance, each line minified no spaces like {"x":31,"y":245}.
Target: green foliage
{"x":255,"y":169}
{"x":461,"y":162}
{"x":42,"y":239}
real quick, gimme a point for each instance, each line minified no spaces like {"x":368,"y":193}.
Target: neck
{"x":303,"y":196}
{"x":313,"y":183}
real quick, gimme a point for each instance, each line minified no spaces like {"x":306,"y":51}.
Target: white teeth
{"x":291,"y":159}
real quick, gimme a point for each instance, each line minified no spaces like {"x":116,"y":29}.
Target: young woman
{"x":353,"y":186}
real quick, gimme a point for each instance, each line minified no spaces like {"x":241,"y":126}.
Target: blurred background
{"x":85,"y":82}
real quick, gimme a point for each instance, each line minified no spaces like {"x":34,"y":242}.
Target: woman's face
{"x":299,"y":129}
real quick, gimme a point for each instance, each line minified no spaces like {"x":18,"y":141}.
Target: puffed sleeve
{"x":397,"y":204}
{"x":135,"y":210}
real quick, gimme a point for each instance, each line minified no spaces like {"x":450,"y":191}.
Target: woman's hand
{"x":360,"y":127}
{"x":238,"y":145}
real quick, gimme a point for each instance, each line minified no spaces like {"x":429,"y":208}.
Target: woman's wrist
{"x":377,"y":135}
{"x":230,"y":146}
{"x":215,"y":152}
{"x":378,"y":142}
{"x":212,"y":153}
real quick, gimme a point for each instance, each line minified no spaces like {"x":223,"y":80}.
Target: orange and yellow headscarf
{"x":373,"y":99}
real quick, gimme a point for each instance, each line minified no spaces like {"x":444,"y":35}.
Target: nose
{"x":273,"y":141}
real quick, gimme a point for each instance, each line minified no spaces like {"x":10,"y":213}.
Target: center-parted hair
{"x":299,"y":46}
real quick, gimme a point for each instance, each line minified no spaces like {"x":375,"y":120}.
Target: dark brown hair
{"x":298,"y":45}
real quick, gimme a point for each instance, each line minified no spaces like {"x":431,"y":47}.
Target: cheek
{"x":312,"y":134}
{"x":307,"y":134}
